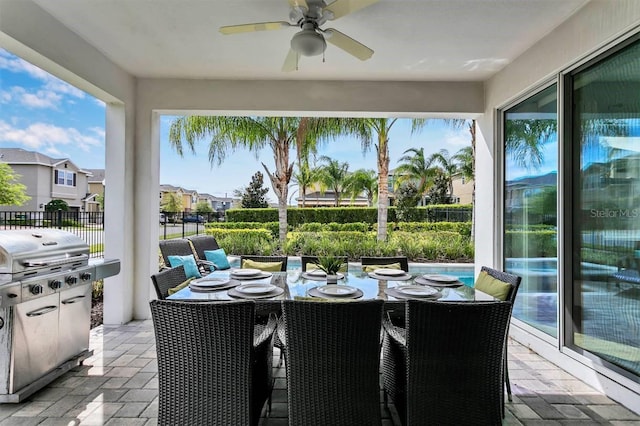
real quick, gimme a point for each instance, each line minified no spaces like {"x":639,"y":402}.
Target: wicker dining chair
{"x":181,"y":247}
{"x":166,"y":279}
{"x":402,"y":260}
{"x":267,"y":259}
{"x":201,"y":243}
{"x":332,"y":362}
{"x":211,"y":368}
{"x":514,"y":281}
{"x":445,"y":366}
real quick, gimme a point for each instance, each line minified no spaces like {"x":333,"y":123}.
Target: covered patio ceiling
{"x":413,"y":40}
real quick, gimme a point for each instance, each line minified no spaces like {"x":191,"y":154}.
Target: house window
{"x":65,"y":178}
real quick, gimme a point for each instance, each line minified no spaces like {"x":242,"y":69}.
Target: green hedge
{"x":297,"y":216}
{"x":272,"y":227}
{"x":462,"y":228}
{"x":530,"y":244}
{"x":245,"y":241}
{"x":333,"y":226}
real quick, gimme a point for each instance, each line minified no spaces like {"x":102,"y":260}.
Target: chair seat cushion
{"x":492,"y":286}
{"x":371,"y":268}
{"x":218,"y":257}
{"x":189,"y":263}
{"x":263,"y":266}
{"x":179,"y":287}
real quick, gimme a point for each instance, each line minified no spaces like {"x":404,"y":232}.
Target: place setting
{"x":390,"y":274}
{"x":249,"y":274}
{"x":413,"y":292}
{"x":319,"y":275}
{"x":335,"y":291}
{"x":255,"y":291}
{"x":207,"y":284}
{"x":438,"y":280}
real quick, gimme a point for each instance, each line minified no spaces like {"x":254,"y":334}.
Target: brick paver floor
{"x":118,"y":385}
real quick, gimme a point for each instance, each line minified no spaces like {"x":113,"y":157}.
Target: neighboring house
{"x":46,"y":179}
{"x":96,"y":190}
{"x":218,"y":204}
{"x":327,"y":199}
{"x":462,"y":190}
{"x":189,"y":197}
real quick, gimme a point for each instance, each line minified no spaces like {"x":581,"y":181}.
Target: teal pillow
{"x":189,"y":263}
{"x":218,"y":257}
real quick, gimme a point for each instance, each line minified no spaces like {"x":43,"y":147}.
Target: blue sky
{"x":39,"y":112}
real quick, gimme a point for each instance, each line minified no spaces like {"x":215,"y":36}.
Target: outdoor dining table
{"x":297,"y":284}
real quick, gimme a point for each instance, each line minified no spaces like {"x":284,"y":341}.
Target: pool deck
{"x":118,"y":385}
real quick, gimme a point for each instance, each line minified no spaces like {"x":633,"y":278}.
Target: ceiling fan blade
{"x":340,"y":8}
{"x":258,"y":26}
{"x":299,"y":3}
{"x":290,"y":62}
{"x":348,"y":44}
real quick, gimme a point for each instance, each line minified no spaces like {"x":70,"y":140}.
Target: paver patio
{"x":118,"y":385}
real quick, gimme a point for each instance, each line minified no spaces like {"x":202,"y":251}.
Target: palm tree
{"x":363,"y":181}
{"x":305,"y":176}
{"x":416,"y":168}
{"x":364,"y":129}
{"x":464,"y":162}
{"x":333,"y":175}
{"x":448,"y":165}
{"x":254,"y":133}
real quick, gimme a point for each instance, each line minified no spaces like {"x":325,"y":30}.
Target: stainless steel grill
{"x":45,"y":307}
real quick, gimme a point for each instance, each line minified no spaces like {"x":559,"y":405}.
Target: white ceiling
{"x":413,"y":40}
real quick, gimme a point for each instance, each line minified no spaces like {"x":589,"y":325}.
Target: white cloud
{"x":38,"y":99}
{"x":458,"y":139}
{"x":49,"y":138}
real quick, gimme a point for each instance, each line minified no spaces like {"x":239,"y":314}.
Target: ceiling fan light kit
{"x":309,"y":15}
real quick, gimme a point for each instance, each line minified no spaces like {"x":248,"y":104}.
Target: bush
{"x":273,"y":227}
{"x":71,"y":223}
{"x":245,"y":241}
{"x":530,"y":244}
{"x":333,"y":226}
{"x":462,"y":228}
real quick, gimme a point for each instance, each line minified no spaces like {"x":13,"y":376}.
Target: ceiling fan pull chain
{"x":297,"y":59}
{"x":323,"y":52}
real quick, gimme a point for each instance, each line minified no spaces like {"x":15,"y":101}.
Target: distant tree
{"x":254,"y":195}
{"x":407,"y":198}
{"x":415,"y":167}
{"x":100,"y":200}
{"x":12,"y":193}
{"x":204,"y":207}
{"x":305,"y":176}
{"x":364,"y":181}
{"x":171,"y":205}
{"x":55,"y":205}
{"x":333,"y":175}
{"x":438,"y":194}
{"x":448,"y":166}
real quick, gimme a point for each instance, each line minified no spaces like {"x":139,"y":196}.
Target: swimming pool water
{"x":465,"y":273}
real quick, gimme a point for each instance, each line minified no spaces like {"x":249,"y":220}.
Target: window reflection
{"x":530,"y":237}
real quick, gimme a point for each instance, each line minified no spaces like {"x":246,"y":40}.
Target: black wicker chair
{"x":402,"y":260}
{"x":200,"y":243}
{"x":211,"y":368}
{"x":314,"y":259}
{"x":332,"y":361}
{"x":445,"y":367}
{"x":514,"y":281}
{"x":283,"y":259}
{"x":181,"y":247}
{"x":166,"y":279}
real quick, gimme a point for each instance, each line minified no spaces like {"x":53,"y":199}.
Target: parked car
{"x":193,"y":218}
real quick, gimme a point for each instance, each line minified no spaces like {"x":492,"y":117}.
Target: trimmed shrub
{"x":272,"y":227}
{"x":245,"y":241}
{"x":333,"y":226}
{"x":462,"y":228}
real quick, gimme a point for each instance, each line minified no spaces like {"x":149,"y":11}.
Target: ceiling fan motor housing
{"x":308,"y":42}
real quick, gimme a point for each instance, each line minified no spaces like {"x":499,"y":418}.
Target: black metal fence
{"x":183,"y":224}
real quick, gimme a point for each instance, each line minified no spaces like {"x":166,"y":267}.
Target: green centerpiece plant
{"x":330,"y":265}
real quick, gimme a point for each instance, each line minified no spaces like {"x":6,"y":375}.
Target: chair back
{"x":174,"y":247}
{"x":511,"y":279}
{"x":166,"y":279}
{"x":266,"y":259}
{"x":205,"y":363}
{"x":332,"y":359}
{"x":454,"y":362}
{"x":304,"y":259}
{"x":201,"y":243}
{"x":402,"y":260}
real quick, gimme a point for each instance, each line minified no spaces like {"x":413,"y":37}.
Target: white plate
{"x":211,"y":282}
{"x":317,"y":273}
{"x":440,"y":278}
{"x":247,"y":272}
{"x":337,"y":290}
{"x":389,"y":272}
{"x":255,"y":288}
{"x":417,"y":290}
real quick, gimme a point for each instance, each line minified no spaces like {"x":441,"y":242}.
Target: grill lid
{"x":40,"y":249}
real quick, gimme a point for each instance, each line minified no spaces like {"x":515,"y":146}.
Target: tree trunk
{"x":383,"y":189}
{"x":280,"y":183}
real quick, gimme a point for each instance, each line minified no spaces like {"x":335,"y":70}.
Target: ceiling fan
{"x":309,"y":16}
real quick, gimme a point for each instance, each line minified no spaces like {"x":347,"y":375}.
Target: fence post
{"x":59,"y":219}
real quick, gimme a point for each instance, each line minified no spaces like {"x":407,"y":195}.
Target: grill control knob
{"x":85,"y":276}
{"x":36,"y":289}
{"x":71,"y":280}
{"x":55,"y":284}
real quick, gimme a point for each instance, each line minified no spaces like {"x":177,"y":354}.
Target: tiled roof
{"x":22,"y":156}
{"x":97,"y":175}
